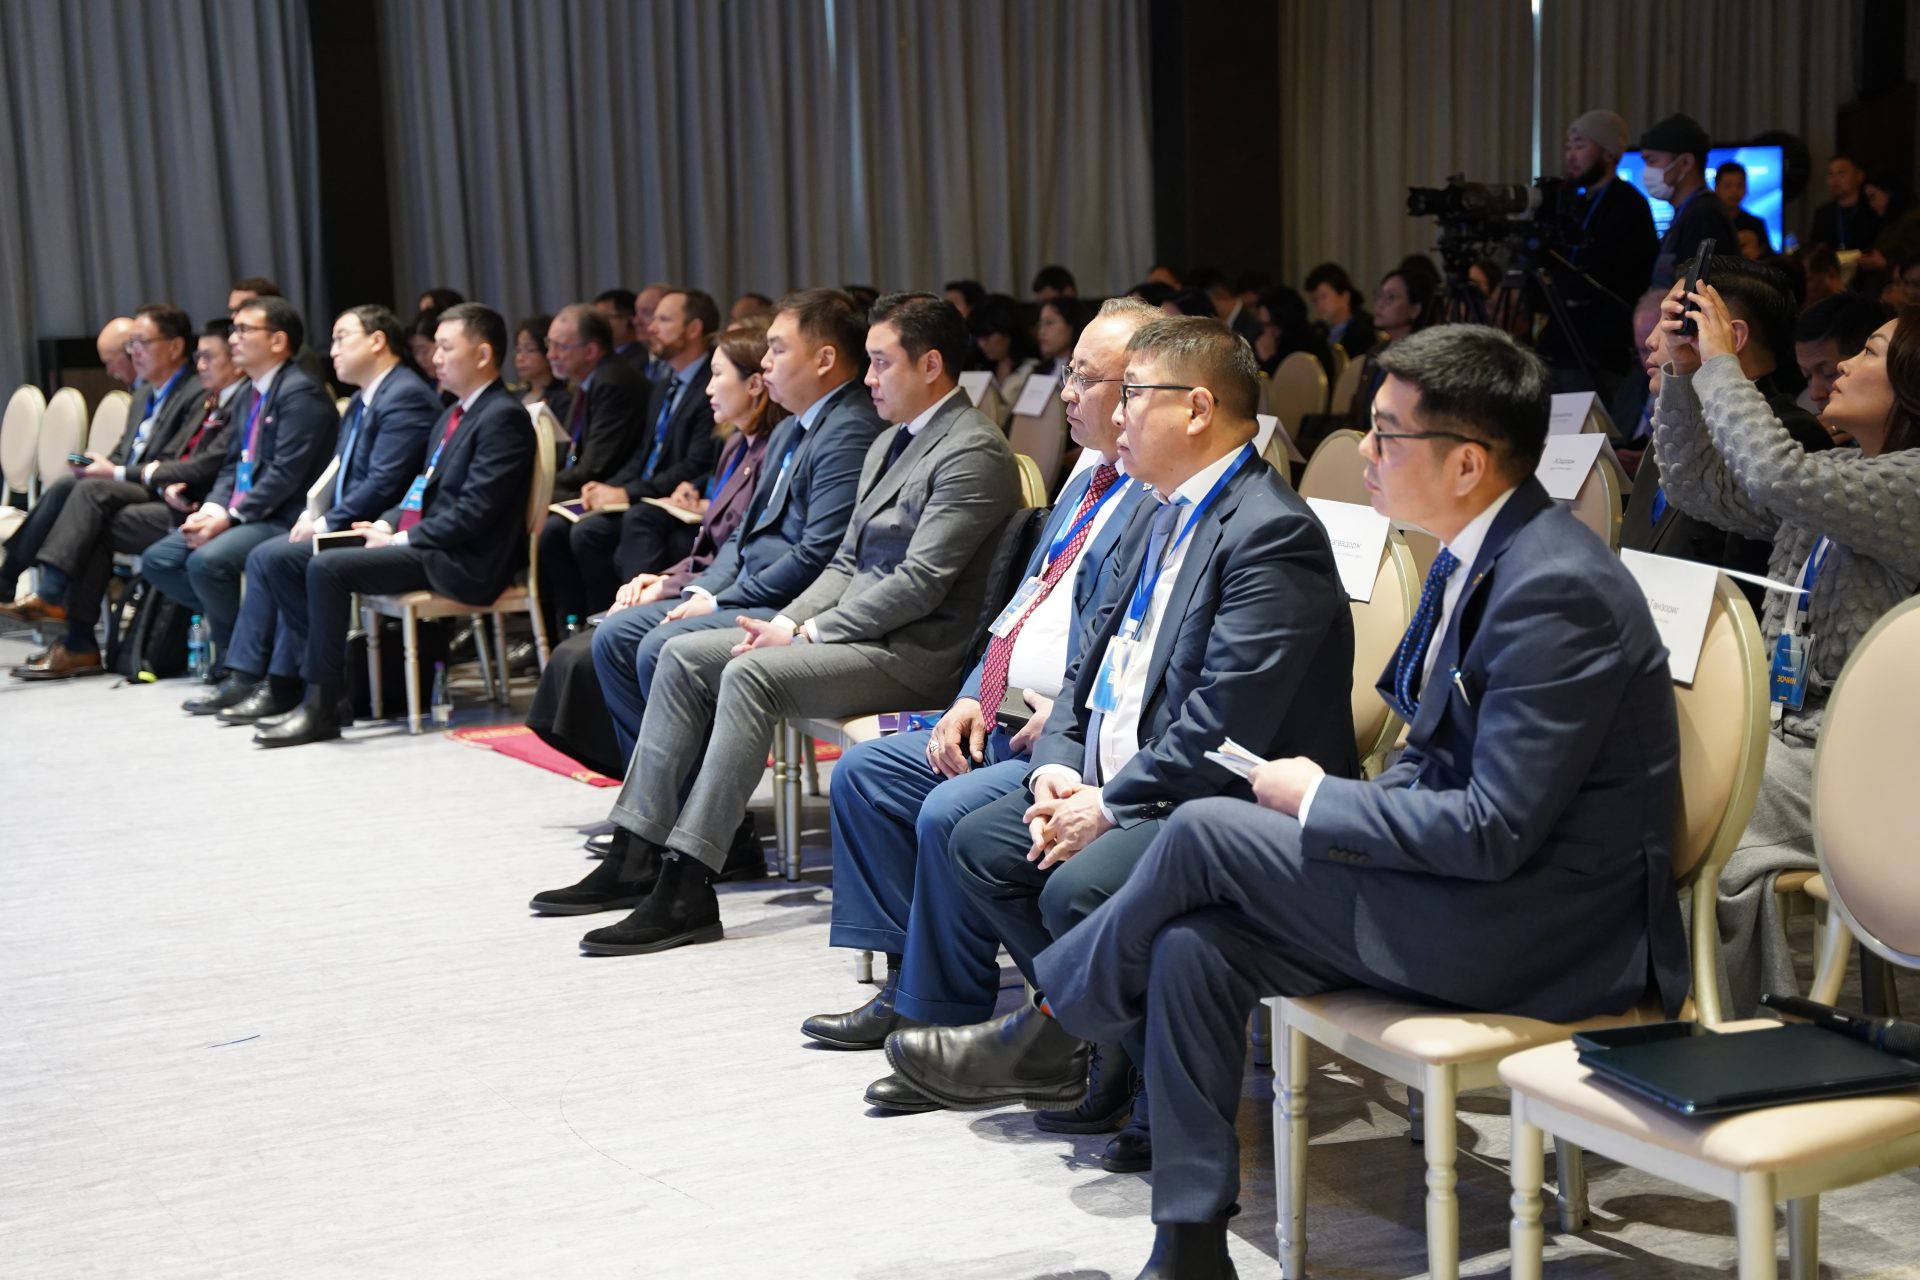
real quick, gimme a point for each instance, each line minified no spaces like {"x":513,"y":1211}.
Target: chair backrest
{"x":1863,"y":812}
{"x":1042,"y":437}
{"x":539,"y":498}
{"x":1033,"y":487}
{"x":1266,"y":394}
{"x":1378,"y":624}
{"x":547,"y":424}
{"x":19,"y":437}
{"x":1347,"y":385}
{"x":63,"y":430}
{"x":1723,"y":752}
{"x":109,"y":422}
{"x":1336,"y":470}
{"x":1597,"y":504}
{"x":340,"y":406}
{"x":1277,"y":457}
{"x":1299,"y":390}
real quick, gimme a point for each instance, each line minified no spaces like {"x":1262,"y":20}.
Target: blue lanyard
{"x":715,"y":486}
{"x":440,"y":448}
{"x":157,"y":398}
{"x":1593,"y":206}
{"x":1065,"y":537}
{"x":253,"y":420}
{"x":1150,"y":573}
{"x":1810,"y":574}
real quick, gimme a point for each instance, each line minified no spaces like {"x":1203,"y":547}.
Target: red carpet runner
{"x":517,"y":742}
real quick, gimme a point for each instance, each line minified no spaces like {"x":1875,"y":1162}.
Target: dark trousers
{"x":332,"y":579}
{"x":98,"y":518}
{"x":577,"y":573}
{"x":626,"y":652}
{"x":1222,"y":911}
{"x":207,"y":578}
{"x":270,"y":637}
{"x":651,"y":540}
{"x":23,"y":548}
{"x":569,"y":713}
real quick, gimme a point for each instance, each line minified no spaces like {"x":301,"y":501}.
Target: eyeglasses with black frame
{"x":1129,"y":389}
{"x":1373,"y":429}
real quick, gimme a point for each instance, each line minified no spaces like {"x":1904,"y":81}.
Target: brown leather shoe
{"x":34,"y":609}
{"x":62,"y":663}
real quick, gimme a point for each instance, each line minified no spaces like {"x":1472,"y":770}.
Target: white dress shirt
{"x":1039,"y":658}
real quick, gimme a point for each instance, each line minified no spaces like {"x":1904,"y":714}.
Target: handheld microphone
{"x":1889,"y":1035}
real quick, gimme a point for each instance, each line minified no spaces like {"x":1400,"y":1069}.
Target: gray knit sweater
{"x":1725,"y":459}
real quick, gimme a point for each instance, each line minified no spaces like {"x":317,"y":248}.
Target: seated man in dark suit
{"x":605,"y":424}
{"x":459,"y":531}
{"x":1514,"y":860}
{"x":886,"y":625}
{"x":285,"y":437}
{"x":383,"y":441}
{"x":795,"y":520}
{"x":1226,"y":620}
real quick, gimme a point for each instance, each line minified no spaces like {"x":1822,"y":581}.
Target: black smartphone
{"x":1696,"y":276}
{"x":79,"y":460}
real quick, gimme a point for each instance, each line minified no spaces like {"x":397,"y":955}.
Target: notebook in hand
{"x":1697,"y":1072}
{"x":338,"y":539}
{"x":576,"y":511}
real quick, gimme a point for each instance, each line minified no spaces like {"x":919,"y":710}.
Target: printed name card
{"x":1359,"y":537}
{"x":1036,"y":395}
{"x":1568,"y":416}
{"x":1268,"y":425}
{"x":1565,"y":461}
{"x":1680,"y":595}
{"x":976,"y":383}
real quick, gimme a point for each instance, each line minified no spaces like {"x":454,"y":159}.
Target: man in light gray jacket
{"x":885,"y":627}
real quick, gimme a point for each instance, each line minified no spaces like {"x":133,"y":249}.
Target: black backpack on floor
{"x":154,"y":642}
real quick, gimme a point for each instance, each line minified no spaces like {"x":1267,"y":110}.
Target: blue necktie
{"x":660,"y":428}
{"x":1411,"y":656}
{"x":1165,"y":520}
{"x":346,"y":449}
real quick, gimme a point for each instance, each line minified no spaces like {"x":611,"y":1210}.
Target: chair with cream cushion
{"x":1598,"y":504}
{"x":1723,"y":728}
{"x":19,"y":437}
{"x":1041,"y":439}
{"x":1863,"y":817}
{"x":1336,"y":470}
{"x":1299,"y":390}
{"x":1347,"y":385}
{"x":63,"y":429}
{"x":1378,"y":624}
{"x":109,"y":422}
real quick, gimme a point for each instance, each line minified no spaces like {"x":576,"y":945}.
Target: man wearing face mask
{"x":1676,"y":154}
{"x":1616,"y":256}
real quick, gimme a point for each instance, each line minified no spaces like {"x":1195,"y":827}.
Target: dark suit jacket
{"x":1358,"y":338}
{"x":1618,"y":254}
{"x":1090,"y":577}
{"x":389,"y":448}
{"x":1837,"y":228}
{"x":1517,"y":857}
{"x":297,"y":428}
{"x":787,"y":537}
{"x":1703,"y":217}
{"x":197,"y":454}
{"x":613,"y":423}
{"x":1256,"y":644}
{"x":908,"y":577}
{"x":472,"y":535}
{"x":179,"y":413}
{"x":690,"y":446}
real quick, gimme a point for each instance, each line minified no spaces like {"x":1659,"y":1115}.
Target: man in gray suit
{"x":885,"y":626}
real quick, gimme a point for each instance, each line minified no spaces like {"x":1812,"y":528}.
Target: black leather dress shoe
{"x":865,"y":1028}
{"x":1190,"y":1251}
{"x":230,"y":692}
{"x":891,"y":1093}
{"x":345,"y":712}
{"x":681,"y":910}
{"x":1131,"y":1151}
{"x":617,"y":884}
{"x":1023,"y":1057}
{"x":258,"y":705}
{"x":1110,"y":1083}
{"x":315,"y":720}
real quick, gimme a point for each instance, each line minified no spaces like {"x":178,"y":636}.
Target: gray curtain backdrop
{"x":150,"y":150}
{"x":1381,"y":94}
{"x":543,"y":152}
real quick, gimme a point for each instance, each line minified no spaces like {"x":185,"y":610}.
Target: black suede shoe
{"x":891,"y":1093}
{"x":1131,"y":1150}
{"x":258,"y":705}
{"x":747,"y":858}
{"x":231,"y":692}
{"x":1110,"y":1086}
{"x":1191,"y":1251}
{"x":315,"y":720}
{"x":865,"y":1028}
{"x":617,"y":884}
{"x":1023,"y":1057}
{"x":681,"y":910}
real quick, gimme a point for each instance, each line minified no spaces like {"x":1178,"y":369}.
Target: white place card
{"x":1359,"y":537}
{"x":976,"y":383}
{"x":1268,"y":425}
{"x":1036,"y":395}
{"x":1680,"y":595}
{"x":1568,"y":416}
{"x":1565,"y":461}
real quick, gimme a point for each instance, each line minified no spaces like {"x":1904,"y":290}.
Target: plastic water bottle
{"x":199,"y":655}
{"x":442,"y":700}
{"x":573,"y":625}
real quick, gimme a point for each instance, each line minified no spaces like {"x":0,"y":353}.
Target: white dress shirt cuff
{"x":1306,"y":800}
{"x":120,"y":473}
{"x":319,"y":525}
{"x":399,"y":539}
{"x":146,"y":473}
{"x":691,"y":590}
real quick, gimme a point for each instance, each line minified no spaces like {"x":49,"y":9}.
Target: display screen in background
{"x":1766,"y":194}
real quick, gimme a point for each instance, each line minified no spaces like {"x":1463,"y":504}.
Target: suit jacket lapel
{"x":776,"y":449}
{"x":1200,"y":547}
{"x":885,"y":486}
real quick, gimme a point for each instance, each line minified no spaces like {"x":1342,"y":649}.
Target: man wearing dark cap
{"x":1675,"y":150}
{"x":1615,"y":258}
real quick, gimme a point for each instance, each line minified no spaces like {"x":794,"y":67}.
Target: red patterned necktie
{"x":408,"y":519}
{"x":993,"y":675}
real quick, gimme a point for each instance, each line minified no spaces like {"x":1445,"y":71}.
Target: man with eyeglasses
{"x":1515,"y":860}
{"x":285,"y":437}
{"x":896,"y":799}
{"x":1226,"y":621}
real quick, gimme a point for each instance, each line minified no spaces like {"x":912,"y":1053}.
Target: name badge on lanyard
{"x":1793,"y":650}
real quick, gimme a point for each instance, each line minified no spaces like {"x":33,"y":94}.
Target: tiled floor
{"x":284,"y":1014}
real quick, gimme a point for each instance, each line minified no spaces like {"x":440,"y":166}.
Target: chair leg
{"x":863,"y":967}
{"x":1261,"y":1026}
{"x":1803,"y":1238}
{"x":1570,"y":1171}
{"x":1525,"y":1237}
{"x":410,"y":641}
{"x":1753,"y":1227}
{"x":1443,"y":1207}
{"x":485,"y":659}
{"x":1831,"y":937}
{"x":813,"y":765}
{"x":500,"y":647}
{"x":779,"y":791}
{"x":1290,"y":1150}
{"x":790,"y":796}
{"x":375,"y":694}
{"x":539,"y":632}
